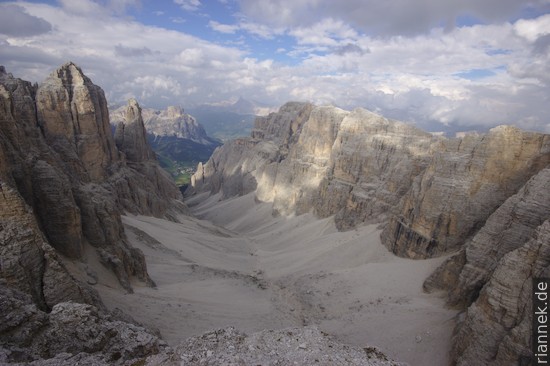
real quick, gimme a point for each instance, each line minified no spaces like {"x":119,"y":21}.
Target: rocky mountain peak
{"x":73,"y":113}
{"x":58,"y":159}
{"x":131,"y":136}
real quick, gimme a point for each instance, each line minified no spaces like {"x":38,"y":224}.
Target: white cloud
{"x":223,"y":28}
{"x":256,"y":29}
{"x":190,"y":5}
{"x":327,"y":32}
{"x":408,"y":77}
{"x":14,"y":21}
{"x":532,"y":29}
{"x":177,"y":20}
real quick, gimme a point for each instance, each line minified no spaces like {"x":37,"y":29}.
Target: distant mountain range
{"x":178,"y":140}
{"x":226,"y":121}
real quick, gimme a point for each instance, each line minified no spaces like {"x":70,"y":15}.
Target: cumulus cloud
{"x":190,"y":5}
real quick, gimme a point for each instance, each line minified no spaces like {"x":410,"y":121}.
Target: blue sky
{"x":441,"y":64}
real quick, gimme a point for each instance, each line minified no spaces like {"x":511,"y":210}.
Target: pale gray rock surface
{"x":293,"y":346}
{"x":465,"y":182}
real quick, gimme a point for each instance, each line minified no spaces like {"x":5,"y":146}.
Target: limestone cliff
{"x":355,"y":165}
{"x":496,"y":328}
{"x":466,"y":180}
{"x":58,"y":155}
{"x":491,"y":277}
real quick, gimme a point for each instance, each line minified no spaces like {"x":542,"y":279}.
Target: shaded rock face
{"x":496,"y":329}
{"x":57,"y":154}
{"x":28,"y":263}
{"x":466,"y":180}
{"x":372,"y":162}
{"x":73,"y":115}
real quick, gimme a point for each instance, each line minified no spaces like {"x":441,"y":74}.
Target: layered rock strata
{"x":491,"y":277}
{"x":466,"y":181}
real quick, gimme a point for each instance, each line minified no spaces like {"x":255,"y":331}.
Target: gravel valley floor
{"x":235,"y":264}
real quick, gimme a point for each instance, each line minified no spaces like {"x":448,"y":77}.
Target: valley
{"x":237,"y":265}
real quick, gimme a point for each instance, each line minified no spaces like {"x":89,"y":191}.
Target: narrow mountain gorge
{"x":483,"y":198}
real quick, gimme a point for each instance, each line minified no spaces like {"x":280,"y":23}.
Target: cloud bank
{"x":444,"y":65}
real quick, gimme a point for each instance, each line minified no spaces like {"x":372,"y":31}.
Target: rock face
{"x":485,"y":198}
{"x":130,"y":135}
{"x":465,"y":182}
{"x":29,"y":263}
{"x":73,"y":116}
{"x":354,"y":165}
{"x":57,"y":154}
{"x":492,"y":275}
{"x":496,"y":329}
{"x":63,"y":185}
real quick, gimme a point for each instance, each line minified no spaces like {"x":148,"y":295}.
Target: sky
{"x":444,"y":65}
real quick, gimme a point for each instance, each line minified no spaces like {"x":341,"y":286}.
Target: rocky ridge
{"x":483,"y":197}
{"x":309,"y":158}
